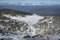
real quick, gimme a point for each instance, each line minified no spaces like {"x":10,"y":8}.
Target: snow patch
{"x":33,"y":19}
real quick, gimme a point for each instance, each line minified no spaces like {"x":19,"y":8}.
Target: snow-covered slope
{"x":21,"y":25}
{"x":31,"y":20}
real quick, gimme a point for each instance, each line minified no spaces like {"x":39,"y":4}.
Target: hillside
{"x":13,"y":12}
{"x":24,"y":24}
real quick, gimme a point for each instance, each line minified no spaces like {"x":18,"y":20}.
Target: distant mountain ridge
{"x":38,"y":9}
{"x":13,"y":12}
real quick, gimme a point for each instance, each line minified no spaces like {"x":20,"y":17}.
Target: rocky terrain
{"x":28,"y":25}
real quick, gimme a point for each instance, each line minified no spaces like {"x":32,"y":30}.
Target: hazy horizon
{"x":30,"y":1}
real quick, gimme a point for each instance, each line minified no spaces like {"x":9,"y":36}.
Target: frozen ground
{"x":32,"y":21}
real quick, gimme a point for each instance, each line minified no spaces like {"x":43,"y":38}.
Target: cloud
{"x":19,"y":3}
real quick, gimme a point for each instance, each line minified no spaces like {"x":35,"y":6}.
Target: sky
{"x":30,"y":1}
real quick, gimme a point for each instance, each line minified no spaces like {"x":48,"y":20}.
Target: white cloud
{"x":18,"y":3}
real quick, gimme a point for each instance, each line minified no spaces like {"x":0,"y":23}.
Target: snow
{"x":1,"y":26}
{"x":55,"y":37}
{"x":33,"y":19}
{"x":31,"y":30}
{"x":5,"y":36}
{"x":30,"y":20}
{"x":14,"y":37}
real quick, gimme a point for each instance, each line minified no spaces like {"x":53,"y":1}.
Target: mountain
{"x":13,"y":12}
{"x":38,"y":9}
{"x":28,"y":25}
{"x":17,"y":22}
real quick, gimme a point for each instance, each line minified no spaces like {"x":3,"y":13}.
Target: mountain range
{"x":38,"y":9}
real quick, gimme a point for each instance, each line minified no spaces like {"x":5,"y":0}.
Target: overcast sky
{"x":30,"y":1}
